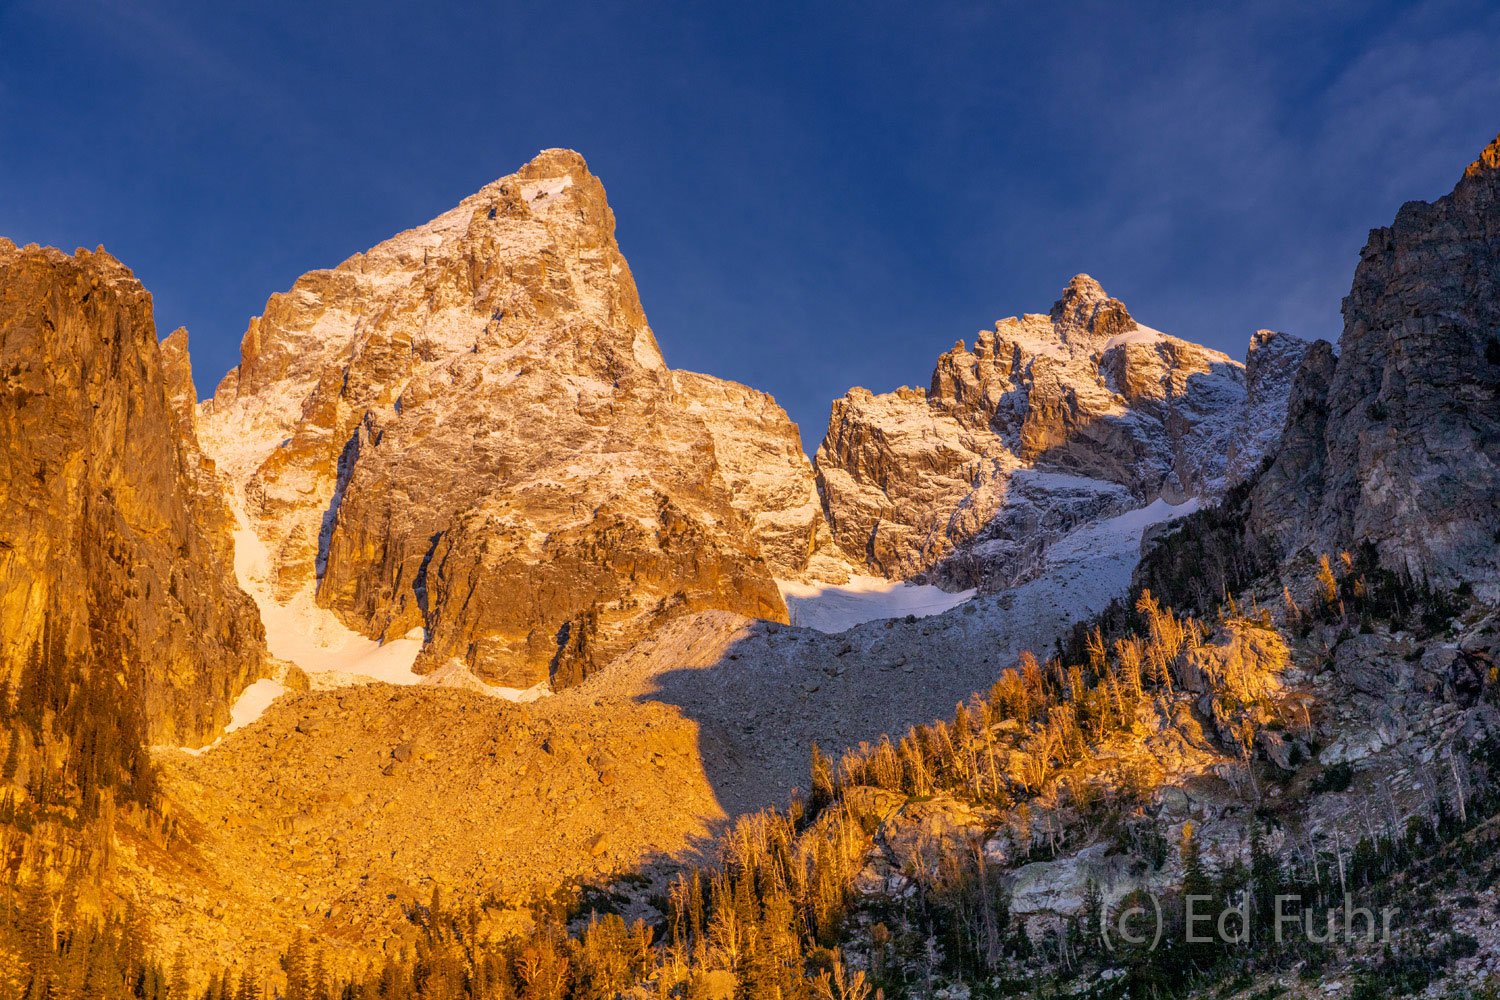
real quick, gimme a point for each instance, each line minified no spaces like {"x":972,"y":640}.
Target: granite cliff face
{"x":1398,"y":442}
{"x":1286,"y":498}
{"x":470,"y":430}
{"x":1049,"y":422}
{"x":1271,"y":365}
{"x":767,"y":474}
{"x":112,"y":526}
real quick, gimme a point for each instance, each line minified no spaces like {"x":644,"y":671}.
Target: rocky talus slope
{"x":113,"y":530}
{"x":1049,"y":422}
{"x":470,"y":430}
{"x":1398,"y":441}
{"x":338,"y":810}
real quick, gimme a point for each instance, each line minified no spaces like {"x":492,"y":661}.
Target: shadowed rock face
{"x":1050,"y":421}
{"x":111,"y":523}
{"x":1398,"y":443}
{"x":1288,"y":494}
{"x":470,"y":429}
{"x":1271,"y":365}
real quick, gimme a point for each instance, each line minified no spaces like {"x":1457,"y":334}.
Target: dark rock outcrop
{"x":1271,"y":364}
{"x":1287,"y":496}
{"x":1399,"y":445}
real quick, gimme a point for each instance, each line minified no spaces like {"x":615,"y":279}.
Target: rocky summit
{"x":469,"y":431}
{"x":1050,"y":422}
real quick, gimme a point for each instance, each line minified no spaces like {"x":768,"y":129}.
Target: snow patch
{"x":249,"y":706}
{"x":647,"y":353}
{"x":329,"y":652}
{"x":1090,"y":563}
{"x":252,"y":703}
{"x":1128,"y":527}
{"x":454,"y":674}
{"x":545,"y":191}
{"x":311,"y":636}
{"x":1089,"y":566}
{"x":838,"y":607}
{"x":450,"y":225}
{"x":1140,"y":335}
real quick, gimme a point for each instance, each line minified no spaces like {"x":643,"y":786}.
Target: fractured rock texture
{"x":470,"y":429}
{"x":1271,"y":364}
{"x":1398,"y":442}
{"x":112,"y":525}
{"x":1050,"y":421}
{"x":767,"y":473}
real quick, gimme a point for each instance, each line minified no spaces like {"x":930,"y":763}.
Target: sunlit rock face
{"x":116,"y":554}
{"x":1397,"y":441}
{"x":469,"y":429}
{"x":768,"y":476}
{"x":1048,"y":422}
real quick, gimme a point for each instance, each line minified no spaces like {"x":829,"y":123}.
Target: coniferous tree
{"x":822,"y":782}
{"x":247,"y":988}
{"x":32,"y":692}
{"x":178,"y":988}
{"x":1265,"y":881}
{"x":12,"y":758}
{"x":294,"y":963}
{"x":317,"y":977}
{"x":1093,"y":914}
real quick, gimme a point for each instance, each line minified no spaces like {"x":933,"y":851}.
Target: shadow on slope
{"x":761,"y":694}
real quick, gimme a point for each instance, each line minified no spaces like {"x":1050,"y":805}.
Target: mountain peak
{"x":551,"y":162}
{"x":1086,"y":308}
{"x":1085,"y":286}
{"x":487,"y":361}
{"x":1489,"y":159}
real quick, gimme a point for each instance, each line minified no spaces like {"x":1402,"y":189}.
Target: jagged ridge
{"x":1049,"y":422}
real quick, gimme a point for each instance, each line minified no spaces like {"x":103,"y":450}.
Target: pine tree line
{"x":77,"y":706}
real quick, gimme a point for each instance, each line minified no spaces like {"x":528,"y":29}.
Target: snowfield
{"x":1105,"y":552}
{"x":253,"y":702}
{"x":313,"y":638}
{"x":1140,"y":335}
{"x":329,"y":652}
{"x":837,"y":608}
{"x":1117,"y":540}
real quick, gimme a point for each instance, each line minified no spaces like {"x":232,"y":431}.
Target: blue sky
{"x":811,"y":196}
